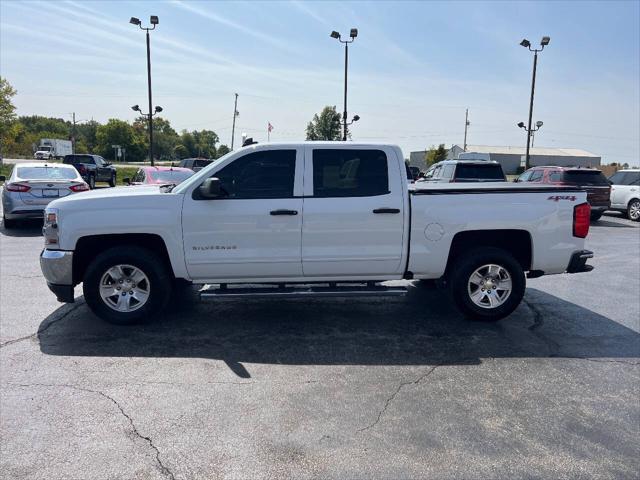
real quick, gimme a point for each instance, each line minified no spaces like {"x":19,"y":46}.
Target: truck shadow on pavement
{"x":421,"y":328}
{"x":26,"y":228}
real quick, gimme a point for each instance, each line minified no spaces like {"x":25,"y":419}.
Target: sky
{"x":413,"y":69}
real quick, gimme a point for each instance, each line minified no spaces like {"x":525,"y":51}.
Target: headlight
{"x":50,"y":228}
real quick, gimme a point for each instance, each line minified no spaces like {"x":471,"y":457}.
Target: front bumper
{"x":57,"y":268}
{"x":578,"y":262}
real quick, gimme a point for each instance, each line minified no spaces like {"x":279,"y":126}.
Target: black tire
{"x":467,"y":264}
{"x":632,"y":208}
{"x":112,"y":180}
{"x":92,"y":182}
{"x":9,"y":223}
{"x":595,"y":216}
{"x":160,"y":281}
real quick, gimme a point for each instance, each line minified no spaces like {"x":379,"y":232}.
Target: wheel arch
{"x":88,"y":247}
{"x":517,"y":242}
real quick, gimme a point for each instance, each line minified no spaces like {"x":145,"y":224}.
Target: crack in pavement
{"x":161,"y":466}
{"x":43,"y":329}
{"x":393,"y":395}
{"x":538,"y":321}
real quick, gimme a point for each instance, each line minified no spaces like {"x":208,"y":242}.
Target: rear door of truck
{"x":354,"y":212}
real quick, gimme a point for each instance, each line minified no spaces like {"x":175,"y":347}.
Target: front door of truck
{"x":252,"y":231}
{"x":353,"y":212}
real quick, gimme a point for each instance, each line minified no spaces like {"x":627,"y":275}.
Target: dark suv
{"x":194,"y":164}
{"x":588,"y":179}
{"x":92,"y":168}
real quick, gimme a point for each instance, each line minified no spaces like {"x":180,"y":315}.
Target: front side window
{"x":349,"y":173}
{"x":536,"y":176}
{"x":525,"y":176}
{"x":263,"y":174}
{"x":448,"y":171}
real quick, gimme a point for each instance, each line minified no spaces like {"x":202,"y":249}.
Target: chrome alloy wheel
{"x":489,"y":286}
{"x":124,"y":288}
{"x":634,"y":210}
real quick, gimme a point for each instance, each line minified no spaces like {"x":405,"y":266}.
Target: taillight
{"x":581,"y":220}
{"x":17,"y":187}
{"x":81,"y":187}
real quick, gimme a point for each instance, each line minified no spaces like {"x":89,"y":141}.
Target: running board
{"x":305,"y":291}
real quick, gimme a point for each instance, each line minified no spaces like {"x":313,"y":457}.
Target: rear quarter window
{"x":584,"y":177}
{"x":479,"y":172}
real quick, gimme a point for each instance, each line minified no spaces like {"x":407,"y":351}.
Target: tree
{"x":7,"y":108}
{"x":222,"y":150}
{"x":119,"y":132}
{"x":435,"y":155}
{"x":325,"y":126}
{"x":165,"y":138}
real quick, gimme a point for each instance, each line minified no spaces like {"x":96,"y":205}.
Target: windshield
{"x":46,"y":173}
{"x":585,"y":177}
{"x":479,"y":172}
{"x":44,"y":149}
{"x":170,"y":176}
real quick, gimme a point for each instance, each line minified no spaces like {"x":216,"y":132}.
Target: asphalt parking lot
{"x":367,"y":388}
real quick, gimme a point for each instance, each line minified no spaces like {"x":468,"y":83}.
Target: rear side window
{"x":479,"y":172}
{"x":47,"y":173}
{"x":265,"y":174}
{"x":585,"y":177}
{"x":201,"y":163}
{"x":349,"y":173}
{"x":555,"y":176}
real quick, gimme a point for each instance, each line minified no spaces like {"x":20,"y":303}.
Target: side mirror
{"x":2,"y":178}
{"x":211,"y":188}
{"x":127,"y":180}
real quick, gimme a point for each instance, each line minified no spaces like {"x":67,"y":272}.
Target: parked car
{"x":93,"y":168}
{"x":413,"y":173}
{"x":31,"y":186}
{"x":590,"y":179}
{"x":195,"y":164}
{"x":159,"y":176}
{"x":449,"y":171}
{"x":625,"y":193}
{"x":241,"y":221}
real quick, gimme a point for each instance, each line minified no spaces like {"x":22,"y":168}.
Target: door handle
{"x":386,"y":210}
{"x":283,"y":212}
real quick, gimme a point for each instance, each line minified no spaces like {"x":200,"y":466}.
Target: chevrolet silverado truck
{"x":311,"y":218}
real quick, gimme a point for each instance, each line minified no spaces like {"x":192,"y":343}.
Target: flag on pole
{"x":269,"y":128}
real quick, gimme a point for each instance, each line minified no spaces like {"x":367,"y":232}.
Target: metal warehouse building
{"x":509,"y":157}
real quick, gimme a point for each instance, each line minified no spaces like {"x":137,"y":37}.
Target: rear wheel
{"x":112,"y":180}
{"x":595,"y":216}
{"x":487,"y":284}
{"x":126,"y":285}
{"x":633,"y":210}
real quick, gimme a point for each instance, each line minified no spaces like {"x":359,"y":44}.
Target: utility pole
{"x":73,"y":134}
{"x":235,"y":114}
{"x":466,"y":124}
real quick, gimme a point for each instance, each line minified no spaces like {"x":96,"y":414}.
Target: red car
{"x":159,"y":176}
{"x":590,"y":180}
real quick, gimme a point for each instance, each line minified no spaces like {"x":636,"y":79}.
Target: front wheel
{"x":487,"y":284}
{"x":633,"y":210}
{"x":112,"y":180}
{"x":125,"y":285}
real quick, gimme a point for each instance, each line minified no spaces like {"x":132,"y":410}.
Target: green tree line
{"x":19,"y":135}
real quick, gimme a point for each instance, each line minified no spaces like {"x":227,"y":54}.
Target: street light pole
{"x":352,"y":35}
{"x":525,"y":43}
{"x":235,"y":114}
{"x":466,"y":125}
{"x":150,"y":102}
{"x":154,"y":22}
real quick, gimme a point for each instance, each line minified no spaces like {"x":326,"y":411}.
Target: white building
{"x":510,"y":157}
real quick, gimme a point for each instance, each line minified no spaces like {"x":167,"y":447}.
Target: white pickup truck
{"x":311,"y":218}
